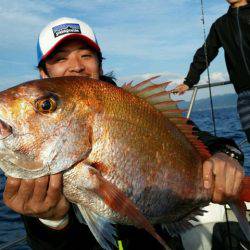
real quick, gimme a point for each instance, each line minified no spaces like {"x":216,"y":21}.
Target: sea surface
{"x":227,"y":125}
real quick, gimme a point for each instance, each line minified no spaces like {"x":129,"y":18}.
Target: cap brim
{"x":88,"y":41}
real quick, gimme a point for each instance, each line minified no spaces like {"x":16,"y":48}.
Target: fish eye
{"x":46,"y":105}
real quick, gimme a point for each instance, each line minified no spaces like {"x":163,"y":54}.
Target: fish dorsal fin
{"x":156,"y":95}
{"x":159,"y":98}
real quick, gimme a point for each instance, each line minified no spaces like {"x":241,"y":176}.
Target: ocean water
{"x":227,"y":125}
{"x":11,"y":226}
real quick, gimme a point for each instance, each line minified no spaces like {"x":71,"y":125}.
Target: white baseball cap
{"x":61,"y":29}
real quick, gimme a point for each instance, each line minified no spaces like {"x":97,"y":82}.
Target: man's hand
{"x":41,"y":197}
{"x":180,"y":89}
{"x":225,"y":175}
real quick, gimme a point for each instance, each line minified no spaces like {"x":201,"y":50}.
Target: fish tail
{"x":239,"y":209}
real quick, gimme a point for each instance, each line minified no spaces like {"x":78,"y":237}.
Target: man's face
{"x":72,"y":58}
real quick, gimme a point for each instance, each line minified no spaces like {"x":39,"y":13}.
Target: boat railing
{"x":202,"y":86}
{"x":195,"y":89}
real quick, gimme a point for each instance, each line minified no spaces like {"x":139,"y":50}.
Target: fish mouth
{"x":5,"y":130}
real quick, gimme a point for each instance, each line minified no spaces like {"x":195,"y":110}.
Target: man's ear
{"x":43,"y":74}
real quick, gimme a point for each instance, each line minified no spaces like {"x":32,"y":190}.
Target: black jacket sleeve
{"x":199,"y":63}
{"x":74,"y":236}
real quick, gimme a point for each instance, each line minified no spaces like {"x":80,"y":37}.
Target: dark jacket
{"x":78,"y":236}
{"x":232,"y":32}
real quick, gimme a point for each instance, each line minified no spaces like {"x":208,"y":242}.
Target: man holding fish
{"x":68,"y":47}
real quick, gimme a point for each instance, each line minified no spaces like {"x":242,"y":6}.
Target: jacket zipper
{"x":241,"y":43}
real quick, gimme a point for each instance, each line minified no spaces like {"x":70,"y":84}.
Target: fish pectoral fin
{"x":117,"y":200}
{"x":78,"y":213}
{"x":102,"y":229}
{"x":239,"y":209}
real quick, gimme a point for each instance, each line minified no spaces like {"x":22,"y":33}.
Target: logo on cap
{"x":66,"y":28}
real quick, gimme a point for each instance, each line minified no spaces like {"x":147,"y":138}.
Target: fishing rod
{"x":211,"y":104}
{"x":207,"y":66}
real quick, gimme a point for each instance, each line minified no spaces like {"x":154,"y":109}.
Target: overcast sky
{"x":139,"y":38}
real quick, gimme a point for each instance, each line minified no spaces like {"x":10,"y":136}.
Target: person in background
{"x":231,"y":32}
{"x":68,"y":47}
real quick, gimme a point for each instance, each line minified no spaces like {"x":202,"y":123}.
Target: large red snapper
{"x":124,"y":160}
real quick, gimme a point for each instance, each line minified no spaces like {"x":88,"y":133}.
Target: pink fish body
{"x":127,"y":158}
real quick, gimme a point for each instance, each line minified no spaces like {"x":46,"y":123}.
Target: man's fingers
{"x":228,"y":175}
{"x":61,"y":209}
{"x":40,"y":189}
{"x":40,"y":197}
{"x":219,"y":182}
{"x":26,"y":189}
{"x":230,"y":179}
{"x":54,"y":191}
{"x":17,"y":194}
{"x":180,"y":89}
{"x":238,"y":180}
{"x":207,"y":174}
{"x":11,"y":188}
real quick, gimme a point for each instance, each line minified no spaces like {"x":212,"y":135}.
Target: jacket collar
{"x":234,"y":10}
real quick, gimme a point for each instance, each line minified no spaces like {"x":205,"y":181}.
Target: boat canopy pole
{"x":195,"y":89}
{"x":191,"y":104}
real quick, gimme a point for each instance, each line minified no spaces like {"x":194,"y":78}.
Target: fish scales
{"x":132,"y":133}
{"x":100,"y":135}
{"x":141,"y":149}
